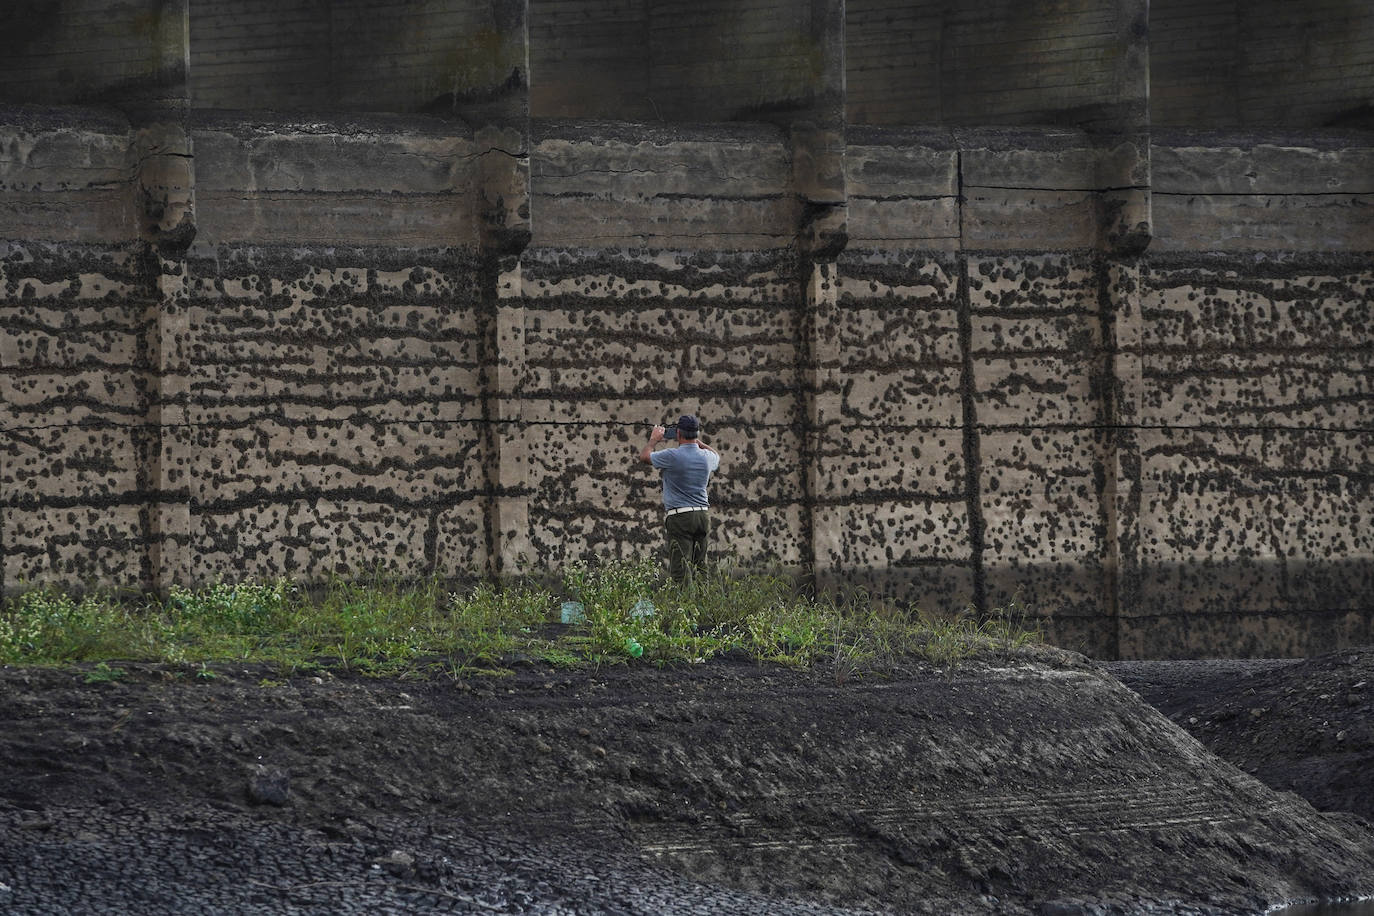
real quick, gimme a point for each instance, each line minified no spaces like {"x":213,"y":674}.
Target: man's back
{"x":686,"y":472}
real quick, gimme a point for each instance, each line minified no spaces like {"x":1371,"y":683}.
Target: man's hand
{"x":655,"y":437}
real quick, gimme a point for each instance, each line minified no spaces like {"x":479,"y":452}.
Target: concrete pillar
{"x":816,"y":135}
{"x":503,"y":135}
{"x":817,"y":139}
{"x":509,"y":519}
{"x":170,"y":459}
{"x":505,"y":232}
{"x":1121,"y":496}
{"x":1125,"y":229}
{"x":165,"y":186}
{"x":501,"y":114}
{"x":821,"y":438}
{"x":1125,"y":218}
{"x":1123,"y":137}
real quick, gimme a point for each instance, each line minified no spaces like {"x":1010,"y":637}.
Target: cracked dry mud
{"x":1032,"y":784}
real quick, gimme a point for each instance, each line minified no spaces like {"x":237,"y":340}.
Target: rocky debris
{"x":268,"y":785}
{"x":397,"y":862}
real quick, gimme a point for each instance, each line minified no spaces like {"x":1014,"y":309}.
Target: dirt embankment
{"x":1300,"y":726}
{"x":1031,"y":785}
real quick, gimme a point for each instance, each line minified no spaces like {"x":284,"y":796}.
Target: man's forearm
{"x":646,"y":454}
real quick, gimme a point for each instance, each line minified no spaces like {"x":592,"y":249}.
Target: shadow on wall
{"x":1245,"y":608}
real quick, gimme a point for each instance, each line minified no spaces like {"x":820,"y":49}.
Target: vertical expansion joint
{"x":816,"y":141}
{"x":972,"y":445}
{"x":820,"y":408}
{"x":488,"y":384}
{"x":808,"y":443}
{"x":1120,"y":497}
{"x":1106,"y":478}
{"x":959,"y":190}
{"x":973,"y":464}
{"x":505,"y":231}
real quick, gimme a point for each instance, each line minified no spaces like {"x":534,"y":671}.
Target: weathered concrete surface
{"x":1026,"y":352}
{"x":378,"y":180}
{"x":717,"y":60}
{"x":970,"y":461}
{"x":66,"y":175}
{"x":610,"y":341}
{"x":1263,"y":192}
{"x":616,"y":186}
{"x":1255,"y":468}
{"x":1267,"y":64}
{"x":335,"y":412}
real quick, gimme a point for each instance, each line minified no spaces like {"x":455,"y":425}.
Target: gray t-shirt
{"x":686,"y":471}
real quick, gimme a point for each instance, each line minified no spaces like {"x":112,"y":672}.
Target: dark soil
{"x":1036,"y":784}
{"x":1302,"y":726}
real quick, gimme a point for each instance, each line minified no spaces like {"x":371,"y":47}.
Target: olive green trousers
{"x":687,"y":536}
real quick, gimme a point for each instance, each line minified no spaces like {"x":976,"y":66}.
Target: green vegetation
{"x":384,"y":626}
{"x":104,"y":674}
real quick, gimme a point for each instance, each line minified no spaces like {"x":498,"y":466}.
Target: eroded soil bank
{"x":1037,"y":784}
{"x":1303,"y":726}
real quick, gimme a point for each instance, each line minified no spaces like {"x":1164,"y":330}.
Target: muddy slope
{"x":1032,"y":785}
{"x":1301,"y":726}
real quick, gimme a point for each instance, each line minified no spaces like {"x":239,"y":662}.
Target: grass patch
{"x":386,"y":626}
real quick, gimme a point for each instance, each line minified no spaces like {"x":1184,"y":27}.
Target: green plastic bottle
{"x":633,"y":648}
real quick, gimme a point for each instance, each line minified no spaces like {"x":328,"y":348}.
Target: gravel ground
{"x":123,"y":860}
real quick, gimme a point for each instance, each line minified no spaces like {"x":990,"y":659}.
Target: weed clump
{"x":48,"y":625}
{"x":388,"y":626}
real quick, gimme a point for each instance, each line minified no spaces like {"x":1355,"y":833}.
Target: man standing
{"x":686,"y":472}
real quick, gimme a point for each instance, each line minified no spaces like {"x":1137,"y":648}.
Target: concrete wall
{"x":1255,"y":394}
{"x":1268,"y":63}
{"x":672,"y":60}
{"x":929,"y":61}
{"x":967,"y":327}
{"x":936,"y":61}
{"x":350,"y":55}
{"x":62,"y":52}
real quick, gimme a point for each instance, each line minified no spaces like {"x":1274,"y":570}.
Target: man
{"x":686,"y":472}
